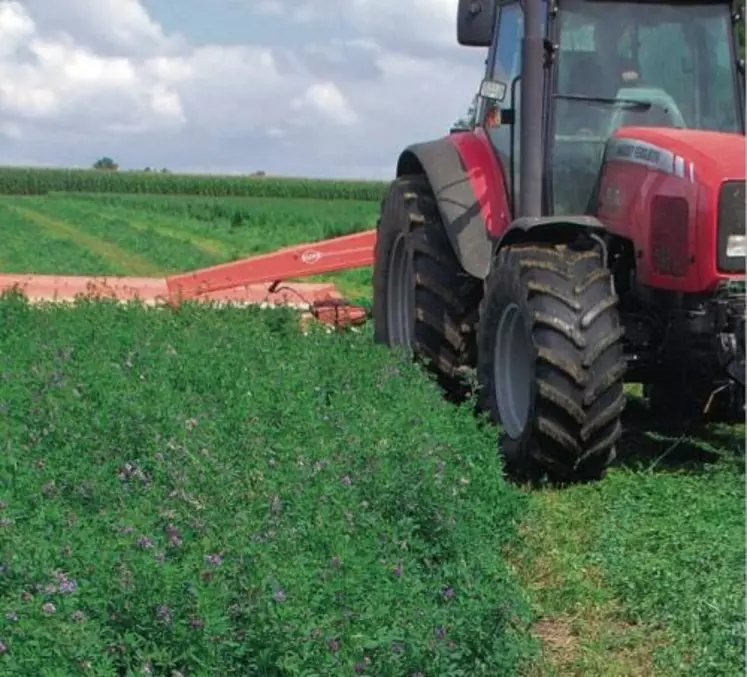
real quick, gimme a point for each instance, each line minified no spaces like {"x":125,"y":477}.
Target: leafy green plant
{"x":207,"y":491}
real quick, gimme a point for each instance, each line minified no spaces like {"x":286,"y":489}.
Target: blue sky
{"x":331,"y":88}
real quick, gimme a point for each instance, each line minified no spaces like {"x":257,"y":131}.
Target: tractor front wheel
{"x":423,"y":299}
{"x":550,"y":361}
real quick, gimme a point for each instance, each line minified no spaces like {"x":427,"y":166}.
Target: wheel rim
{"x":512,"y":372}
{"x":400,"y":302}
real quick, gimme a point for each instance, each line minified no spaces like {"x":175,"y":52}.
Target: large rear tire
{"x":422,"y":297}
{"x":550,"y":361}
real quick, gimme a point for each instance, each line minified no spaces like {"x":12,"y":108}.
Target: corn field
{"x":41,"y":181}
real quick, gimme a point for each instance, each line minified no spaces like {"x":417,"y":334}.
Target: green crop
{"x":35,"y":181}
{"x":211,"y":492}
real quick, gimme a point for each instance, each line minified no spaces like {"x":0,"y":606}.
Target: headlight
{"x":736,"y":246}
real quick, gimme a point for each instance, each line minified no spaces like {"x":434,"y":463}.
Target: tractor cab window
{"x":635,"y":64}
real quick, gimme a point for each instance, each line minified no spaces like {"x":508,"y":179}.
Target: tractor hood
{"x":706,"y":157}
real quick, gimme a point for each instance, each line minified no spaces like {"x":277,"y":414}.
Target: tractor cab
{"x":609,"y":64}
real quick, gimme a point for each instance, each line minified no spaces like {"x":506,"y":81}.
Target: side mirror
{"x":476,"y":22}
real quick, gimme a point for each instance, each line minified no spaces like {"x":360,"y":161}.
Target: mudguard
{"x":458,"y":204}
{"x":548,"y":228}
{"x":469,"y":184}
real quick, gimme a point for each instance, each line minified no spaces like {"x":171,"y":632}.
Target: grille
{"x":731,"y":207}
{"x":669,"y":245}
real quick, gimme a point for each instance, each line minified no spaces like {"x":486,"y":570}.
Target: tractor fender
{"x":458,"y":205}
{"x":548,"y":229}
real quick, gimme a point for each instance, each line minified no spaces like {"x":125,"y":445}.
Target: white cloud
{"x":103,"y":77}
{"x":327,"y":99}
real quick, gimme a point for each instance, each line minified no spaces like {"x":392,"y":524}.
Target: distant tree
{"x":260,"y":172}
{"x":165,"y":171}
{"x":147,"y":169}
{"x":106,"y":164}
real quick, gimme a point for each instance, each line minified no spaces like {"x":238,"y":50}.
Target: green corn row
{"x":35,"y":181}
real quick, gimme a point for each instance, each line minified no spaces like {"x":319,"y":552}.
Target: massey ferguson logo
{"x":638,"y":152}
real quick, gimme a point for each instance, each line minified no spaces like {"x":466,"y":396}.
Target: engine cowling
{"x":679,"y":196}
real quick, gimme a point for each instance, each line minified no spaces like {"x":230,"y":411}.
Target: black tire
{"x":446,"y":298}
{"x":568,"y":319}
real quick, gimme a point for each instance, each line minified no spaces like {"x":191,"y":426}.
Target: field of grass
{"x":117,"y":435}
{"x":154,"y":235}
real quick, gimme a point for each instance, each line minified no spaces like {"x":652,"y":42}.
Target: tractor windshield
{"x":636,"y":63}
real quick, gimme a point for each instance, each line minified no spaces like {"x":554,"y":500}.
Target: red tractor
{"x":588,"y":231}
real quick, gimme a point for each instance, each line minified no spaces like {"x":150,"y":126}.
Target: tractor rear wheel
{"x":422,"y":297}
{"x":550,"y":361}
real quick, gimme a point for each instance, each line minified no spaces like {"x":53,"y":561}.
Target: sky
{"x":318,"y":88}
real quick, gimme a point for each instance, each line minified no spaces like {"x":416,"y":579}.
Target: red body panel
{"x":700,"y":163}
{"x":486,"y":178}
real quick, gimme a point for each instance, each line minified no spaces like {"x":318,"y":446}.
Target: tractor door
{"x":504,"y":65}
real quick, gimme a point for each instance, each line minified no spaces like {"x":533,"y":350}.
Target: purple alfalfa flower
{"x":68,"y":585}
{"x":50,"y":588}
{"x":346,"y":481}
{"x":358,"y":668}
{"x":164,"y":613}
{"x":196,"y":623}
{"x":49,"y":608}
{"x":333,"y":645}
{"x":144,"y":542}
{"x":214,"y":559}
{"x":397,"y":571}
{"x":78,"y":616}
{"x":448,"y":592}
{"x":175,"y":537}
{"x":279,"y":596}
{"x":3,"y":647}
{"x":440,"y":632}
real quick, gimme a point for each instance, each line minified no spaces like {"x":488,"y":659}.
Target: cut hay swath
{"x":258,"y":280}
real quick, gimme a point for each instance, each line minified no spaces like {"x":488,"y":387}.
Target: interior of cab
{"x":635,"y":64}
